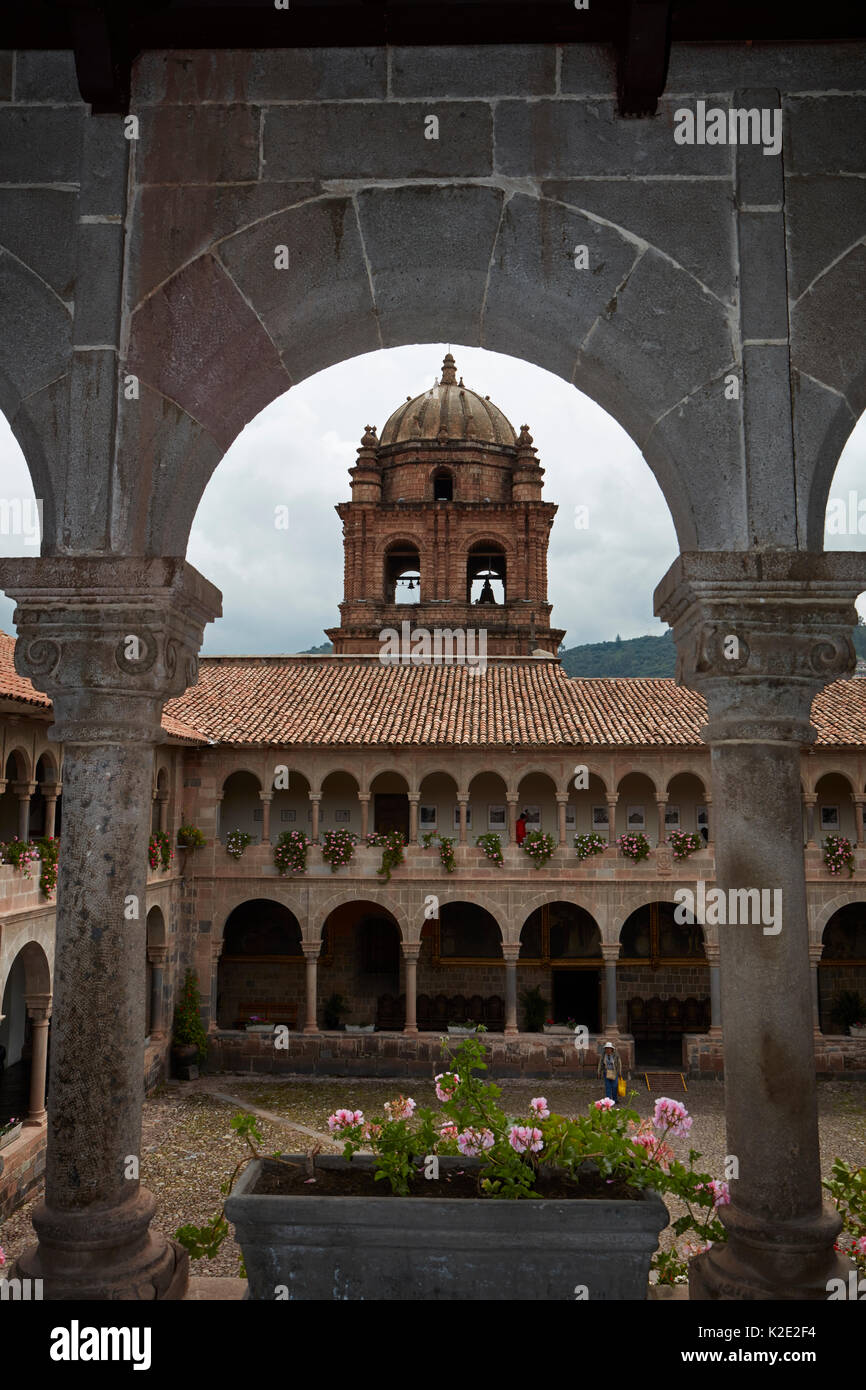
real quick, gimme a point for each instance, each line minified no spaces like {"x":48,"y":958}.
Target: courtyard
{"x":189,"y":1148}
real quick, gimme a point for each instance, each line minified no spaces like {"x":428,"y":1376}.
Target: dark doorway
{"x":575,"y":995}
{"x":392,"y":813}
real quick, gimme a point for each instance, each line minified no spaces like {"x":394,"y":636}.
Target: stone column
{"x":462,"y":799}
{"x":157,"y":955}
{"x":266,"y":798}
{"x":759,"y":634}
{"x":708,"y":802}
{"x":815,"y":953}
{"x":414,"y":798}
{"x":561,"y":804}
{"x":51,"y":810}
{"x":315,"y":800}
{"x":39,"y":1013}
{"x":218,"y":815}
{"x":511,"y":798}
{"x":661,"y":803}
{"x":312,"y":950}
{"x":411,"y":952}
{"x":24,"y":791}
{"x":364,"y":798}
{"x":611,"y":817}
{"x":163,"y":811}
{"x":215,"y":954}
{"x":715,"y":993}
{"x":809,"y":801}
{"x":511,"y":952}
{"x":109,"y":640}
{"x":858,"y":818}
{"x":611,"y":956}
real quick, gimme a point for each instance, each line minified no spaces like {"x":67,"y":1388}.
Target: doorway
{"x":576,"y":995}
{"x":391,"y":812}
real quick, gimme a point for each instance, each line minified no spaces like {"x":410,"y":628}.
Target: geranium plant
{"x":588,"y":845}
{"x":290,"y":852}
{"x":847,"y":1187}
{"x":190,"y":837}
{"x":446,"y":849}
{"x":634,"y":847}
{"x":49,"y":852}
{"x":392,"y":844}
{"x":491,"y":846}
{"x":539,"y":847}
{"x":236,"y":842}
{"x":20,"y":854}
{"x":838,"y":854}
{"x":159,"y":851}
{"x":683,"y":843}
{"x":338,"y":847}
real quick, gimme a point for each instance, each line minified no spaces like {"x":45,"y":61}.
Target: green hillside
{"x":636,"y":656}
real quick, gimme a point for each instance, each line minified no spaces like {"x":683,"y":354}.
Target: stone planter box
{"x":11,"y":1135}
{"x":417,"y":1248}
{"x":561,"y":1030}
{"x":857,"y":1032}
{"x":461,"y":1032}
{"x":360,"y":1028}
{"x":260,"y":1028}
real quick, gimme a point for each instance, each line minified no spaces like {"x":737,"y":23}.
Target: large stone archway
{"x":719,"y":319}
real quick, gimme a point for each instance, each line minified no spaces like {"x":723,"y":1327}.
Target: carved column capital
{"x":38,"y":1007}
{"x":759,"y":633}
{"x":510,"y":950}
{"x":108,"y":638}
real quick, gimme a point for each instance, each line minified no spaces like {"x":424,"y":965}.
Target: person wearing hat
{"x":610,"y":1067}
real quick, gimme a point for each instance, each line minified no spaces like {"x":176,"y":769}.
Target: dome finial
{"x":449,"y":371}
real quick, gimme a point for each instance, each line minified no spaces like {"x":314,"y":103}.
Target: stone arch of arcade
{"x":25,"y":1016}
{"x":390,"y":243}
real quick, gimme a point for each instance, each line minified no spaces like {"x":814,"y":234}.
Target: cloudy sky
{"x":281,"y":587}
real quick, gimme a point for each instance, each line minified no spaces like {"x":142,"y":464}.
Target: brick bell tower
{"x":446,"y":527}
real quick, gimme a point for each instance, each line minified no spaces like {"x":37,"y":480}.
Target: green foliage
{"x":49,"y":853}
{"x":636,"y":656}
{"x":392,"y":845}
{"x":159,"y":851}
{"x":290,"y":852}
{"x":538,"y":846}
{"x":335,"y":1006}
{"x":446,"y":849}
{"x":491,"y":845}
{"x":236,"y":842}
{"x":588,"y":845}
{"x":338,"y":847}
{"x":848,"y":1008}
{"x":203,"y":1242}
{"x":535,"y":1008}
{"x":190,"y":836}
{"x":847,"y":1187}
{"x":188,"y":1027}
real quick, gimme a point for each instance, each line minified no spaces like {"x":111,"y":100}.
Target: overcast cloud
{"x":281,"y":588}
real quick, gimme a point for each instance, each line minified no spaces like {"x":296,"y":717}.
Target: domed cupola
{"x":448,"y":413}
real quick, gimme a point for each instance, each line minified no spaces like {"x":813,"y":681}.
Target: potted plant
{"x":49,"y":853}
{"x":159,"y":851}
{"x":535,"y":1008}
{"x":360,"y":1027}
{"x":9,"y":1131}
{"x":588,"y":845}
{"x":290,"y":852}
{"x":462,"y":1028}
{"x":560,"y":1028}
{"x":236,"y":842}
{"x":392,"y":844}
{"x":491,"y":846}
{"x":334,"y":1007}
{"x":189,"y":1039}
{"x":257,"y":1024}
{"x":338,"y":847}
{"x":315,"y":1227}
{"x":190,"y":837}
{"x":683,"y":843}
{"x":837,"y":854}
{"x":634,"y":847}
{"x":539,"y":846}
{"x":849,"y":1011}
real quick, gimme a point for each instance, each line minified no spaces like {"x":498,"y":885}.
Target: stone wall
{"x":667,"y":982}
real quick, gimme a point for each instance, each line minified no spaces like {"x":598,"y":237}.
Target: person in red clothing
{"x":520,"y":827}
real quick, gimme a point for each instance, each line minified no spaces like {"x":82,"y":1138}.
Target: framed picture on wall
{"x":635,"y":819}
{"x":533,"y":817}
{"x":456,"y":821}
{"x":497,"y":818}
{"x":342,"y":817}
{"x":288,"y":815}
{"x":258,"y":813}
{"x":830,"y":818}
{"x":571,"y":817}
{"x":427,"y":817}
{"x":600,"y":820}
{"x":672,"y":818}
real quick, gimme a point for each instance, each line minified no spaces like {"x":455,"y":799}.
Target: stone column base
{"x":762,"y":1265}
{"x":105,"y":1256}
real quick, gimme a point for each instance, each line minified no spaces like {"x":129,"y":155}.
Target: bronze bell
{"x":487,"y":595}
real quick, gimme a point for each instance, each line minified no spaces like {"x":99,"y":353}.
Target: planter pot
{"x":184,"y":1057}
{"x":857,"y":1032}
{"x":331,"y":1248}
{"x":260,"y":1028}
{"x":11,"y":1135}
{"x":360,"y":1027}
{"x":461,"y":1032}
{"x":558,"y":1029}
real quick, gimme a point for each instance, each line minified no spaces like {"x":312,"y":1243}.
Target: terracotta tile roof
{"x":330,"y":700}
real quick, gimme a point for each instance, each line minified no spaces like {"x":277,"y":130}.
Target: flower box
{"x":558,"y":1029}
{"x":459,"y":1029}
{"x":260,"y":1028}
{"x":857,"y":1032}
{"x":11,"y":1134}
{"x":360,"y":1027}
{"x":329,"y":1248}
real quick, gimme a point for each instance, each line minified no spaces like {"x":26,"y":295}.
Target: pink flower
{"x":400,"y":1109}
{"x":671,"y":1116}
{"x":2,"y":1256}
{"x":859,"y":1247}
{"x":473,"y":1141}
{"x":539,"y":1107}
{"x":523,"y":1137}
{"x":450,"y":1080}
{"x":371,"y":1131}
{"x":605,"y":1104}
{"x":721,"y":1192}
{"x":448,"y":1130}
{"x":345,"y":1119}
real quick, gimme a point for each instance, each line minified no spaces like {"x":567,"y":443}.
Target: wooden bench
{"x":268,"y":1010}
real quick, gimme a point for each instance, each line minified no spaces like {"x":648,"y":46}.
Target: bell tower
{"x":447,"y":527}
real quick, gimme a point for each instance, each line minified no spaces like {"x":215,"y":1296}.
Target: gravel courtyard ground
{"x":189,"y":1148}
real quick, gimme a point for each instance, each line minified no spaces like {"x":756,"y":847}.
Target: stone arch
{"x":21,"y":762}
{"x":250,"y":771}
{"x":219,"y":339}
{"x":819,"y":920}
{"x":320,"y":914}
{"x":284,"y":895}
